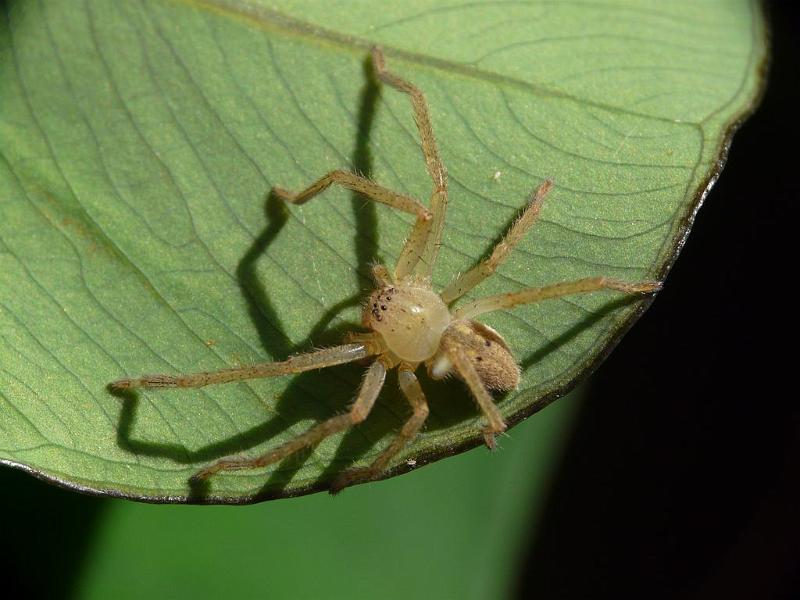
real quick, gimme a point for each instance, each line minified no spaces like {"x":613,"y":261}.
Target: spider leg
{"x":412,"y":250}
{"x":427,"y":249}
{"x":359,"y":184}
{"x":318,"y":359}
{"x":370,"y":388}
{"x":416,"y":398}
{"x":466,"y":281}
{"x":463,"y":366}
{"x":531,"y":295}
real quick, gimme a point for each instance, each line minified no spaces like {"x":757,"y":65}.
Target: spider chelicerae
{"x":409,"y":323}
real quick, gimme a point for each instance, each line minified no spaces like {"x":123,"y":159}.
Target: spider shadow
{"x":293,"y":406}
{"x":449,"y":402}
{"x":595,"y":317}
{"x":291,"y":409}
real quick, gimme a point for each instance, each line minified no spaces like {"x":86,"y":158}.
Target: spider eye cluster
{"x":410,"y":319}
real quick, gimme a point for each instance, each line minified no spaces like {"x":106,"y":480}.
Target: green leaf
{"x":139,"y":141}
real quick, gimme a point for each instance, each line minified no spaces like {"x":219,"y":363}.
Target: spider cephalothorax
{"x":410,"y":319}
{"x":409,"y":324}
{"x":416,"y":326}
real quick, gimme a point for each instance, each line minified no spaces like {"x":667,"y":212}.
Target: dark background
{"x":681,"y":480}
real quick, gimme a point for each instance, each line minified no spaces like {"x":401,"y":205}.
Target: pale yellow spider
{"x":409,"y":324}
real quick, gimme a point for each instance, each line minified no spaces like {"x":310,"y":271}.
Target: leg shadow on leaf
{"x":553,"y":345}
{"x":293,"y":406}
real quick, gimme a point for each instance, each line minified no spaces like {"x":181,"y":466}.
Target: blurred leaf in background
{"x":139,"y":141}
{"x":455,"y":529}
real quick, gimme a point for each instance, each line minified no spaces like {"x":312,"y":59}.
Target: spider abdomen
{"x":486,"y":350}
{"x":410,"y":319}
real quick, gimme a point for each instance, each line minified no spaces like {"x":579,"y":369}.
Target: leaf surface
{"x":138,"y":144}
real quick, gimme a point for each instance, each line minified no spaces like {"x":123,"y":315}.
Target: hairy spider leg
{"x":423,"y":267}
{"x":360,"y":409}
{"x":359,"y":184}
{"x":409,"y":256}
{"x":466,"y":370}
{"x":409,"y":385}
{"x":318,"y":359}
{"x":467,"y":281}
{"x":557,"y":290}
{"x":416,"y":240}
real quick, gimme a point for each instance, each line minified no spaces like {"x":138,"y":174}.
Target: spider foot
{"x":351,"y":477}
{"x":489,"y":436}
{"x":204,"y":474}
{"x":283,"y":194}
{"x":226,"y":464}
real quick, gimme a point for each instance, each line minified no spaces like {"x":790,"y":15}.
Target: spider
{"x":408,"y":323}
